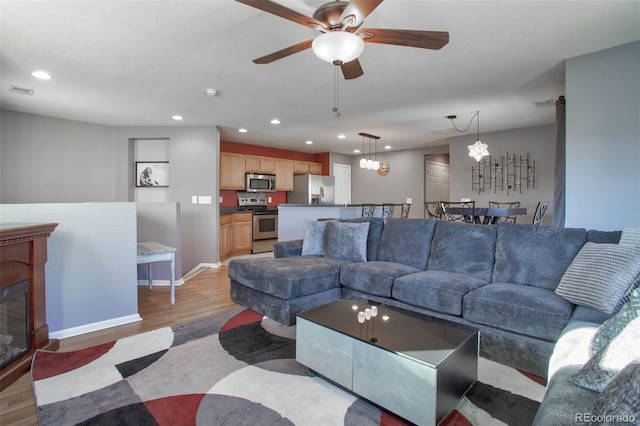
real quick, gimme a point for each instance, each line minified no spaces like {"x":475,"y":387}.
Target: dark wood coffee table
{"x":418,"y":368}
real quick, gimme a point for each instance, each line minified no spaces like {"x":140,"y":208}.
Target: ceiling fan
{"x":342,"y":40}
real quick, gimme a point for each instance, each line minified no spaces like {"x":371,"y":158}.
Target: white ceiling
{"x":140,"y":62}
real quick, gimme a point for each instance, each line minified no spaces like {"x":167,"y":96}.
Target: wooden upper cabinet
{"x":315,"y":168}
{"x":284,"y":174}
{"x":300,"y":167}
{"x":257,"y":164}
{"x":252,"y":164}
{"x":232,"y":170}
{"x":304,"y":167}
{"x":268,"y":165}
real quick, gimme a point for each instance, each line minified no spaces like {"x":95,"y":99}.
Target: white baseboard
{"x":96,"y":326}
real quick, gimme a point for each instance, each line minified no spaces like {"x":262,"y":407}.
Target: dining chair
{"x":541,"y":211}
{"x":431,"y":207}
{"x":507,"y":204}
{"x":463,"y":211}
{"x":404,"y":213}
{"x":387,"y":211}
{"x":368,"y":209}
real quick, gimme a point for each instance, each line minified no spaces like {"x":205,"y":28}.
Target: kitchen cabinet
{"x":315,"y":168}
{"x":284,"y":174}
{"x":232,"y":170}
{"x":257,"y":164}
{"x":236,"y":234}
{"x":226,"y":235}
{"x":304,"y":167}
{"x":242,"y":232}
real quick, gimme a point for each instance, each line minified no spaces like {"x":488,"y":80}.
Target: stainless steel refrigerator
{"x":312,"y":189}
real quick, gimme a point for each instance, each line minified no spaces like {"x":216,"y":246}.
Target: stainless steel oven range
{"x":265,"y":220}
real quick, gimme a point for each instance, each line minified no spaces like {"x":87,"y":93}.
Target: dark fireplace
{"x":23,"y":320}
{"x":14,"y":322}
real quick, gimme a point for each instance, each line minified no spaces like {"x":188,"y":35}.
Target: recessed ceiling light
{"x":275,"y":121}
{"x":242,"y":130}
{"x":211,"y":92}
{"x":309,"y":142}
{"x":357,"y":151}
{"x":387,"y":147}
{"x":341,"y":136}
{"x":42,"y":75}
{"x":177,"y":117}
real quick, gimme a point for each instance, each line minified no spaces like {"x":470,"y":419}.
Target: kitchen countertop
{"x":231,"y":210}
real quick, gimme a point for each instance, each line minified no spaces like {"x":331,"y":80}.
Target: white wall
{"x":603,"y":139}
{"x":91,"y":267}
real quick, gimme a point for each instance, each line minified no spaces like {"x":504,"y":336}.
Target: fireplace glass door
{"x":14,"y":322}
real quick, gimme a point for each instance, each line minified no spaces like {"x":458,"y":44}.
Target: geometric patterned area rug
{"x":237,"y":368}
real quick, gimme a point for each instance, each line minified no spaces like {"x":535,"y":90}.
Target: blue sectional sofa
{"x":499,"y":279}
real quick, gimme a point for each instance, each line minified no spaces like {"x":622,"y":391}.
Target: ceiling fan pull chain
{"x":336,"y":93}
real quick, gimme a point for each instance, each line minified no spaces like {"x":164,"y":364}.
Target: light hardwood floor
{"x":204,"y":295}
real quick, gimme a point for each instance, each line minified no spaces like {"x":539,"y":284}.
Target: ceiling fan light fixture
{"x":337,"y":47}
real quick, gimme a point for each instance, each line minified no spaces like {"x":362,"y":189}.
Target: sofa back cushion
{"x":375,"y":233}
{"x":407,"y":241}
{"x":535,"y":255}
{"x":464,"y":248}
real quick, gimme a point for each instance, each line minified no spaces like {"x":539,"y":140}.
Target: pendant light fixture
{"x":370,"y":162}
{"x":479,"y":149}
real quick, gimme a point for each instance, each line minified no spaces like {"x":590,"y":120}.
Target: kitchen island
{"x":291,"y":217}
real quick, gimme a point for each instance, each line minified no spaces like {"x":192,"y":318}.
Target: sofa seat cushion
{"x":463,"y":248}
{"x":373,"y":277}
{"x":438,"y":291}
{"x":532,"y":311}
{"x":289,"y":277}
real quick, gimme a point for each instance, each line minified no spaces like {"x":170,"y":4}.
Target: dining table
{"x":488,"y":215}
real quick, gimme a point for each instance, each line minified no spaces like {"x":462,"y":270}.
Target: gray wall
{"x":603,"y":139}
{"x":49,"y":160}
{"x":538,"y":141}
{"x":193,"y":170}
{"x":406,"y":170}
{"x":91,"y":266}
{"x":45,"y":159}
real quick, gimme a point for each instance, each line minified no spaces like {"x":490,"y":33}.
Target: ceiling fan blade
{"x":351,"y":70}
{"x":360,"y":9}
{"x":283,"y":12}
{"x":299,"y":47}
{"x":423,"y":39}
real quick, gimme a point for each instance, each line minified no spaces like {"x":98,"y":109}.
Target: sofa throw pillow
{"x":630,"y":236}
{"x":314,"y":235}
{"x":600,"y":276}
{"x":376,"y":224}
{"x":614,"y":325}
{"x":607,"y":362}
{"x":619,"y":403}
{"x":347,"y":241}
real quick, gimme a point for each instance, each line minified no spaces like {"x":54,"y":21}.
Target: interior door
{"x":342,"y":176}
{"x":436,"y":184}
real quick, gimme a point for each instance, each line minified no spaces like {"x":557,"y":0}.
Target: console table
{"x":149,"y":252}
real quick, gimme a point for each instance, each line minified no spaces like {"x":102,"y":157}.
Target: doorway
{"x":342,"y":176}
{"x":436,"y":177}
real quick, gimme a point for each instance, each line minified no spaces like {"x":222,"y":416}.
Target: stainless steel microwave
{"x":260,"y":183}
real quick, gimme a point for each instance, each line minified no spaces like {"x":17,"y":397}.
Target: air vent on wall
{"x":543,"y":104}
{"x":21,"y":90}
